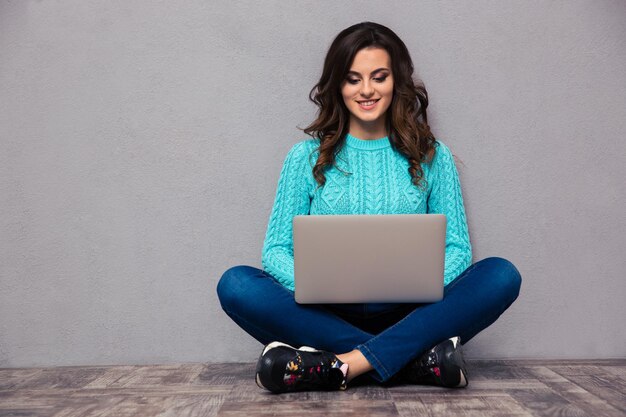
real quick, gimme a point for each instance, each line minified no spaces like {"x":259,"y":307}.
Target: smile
{"x":368,"y":105}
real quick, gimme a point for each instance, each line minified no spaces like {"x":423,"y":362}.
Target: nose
{"x":367,"y":88}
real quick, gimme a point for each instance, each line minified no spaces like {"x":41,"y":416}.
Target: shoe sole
{"x":270,"y":347}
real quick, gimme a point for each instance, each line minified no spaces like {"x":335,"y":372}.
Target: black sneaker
{"x":283,"y":368}
{"x":443,"y":365}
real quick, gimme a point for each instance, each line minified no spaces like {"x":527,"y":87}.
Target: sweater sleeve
{"x":292,"y":198}
{"x":445,"y":198}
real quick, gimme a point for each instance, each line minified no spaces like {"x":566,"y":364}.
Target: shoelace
{"x":427,"y":365}
{"x":318,"y":373}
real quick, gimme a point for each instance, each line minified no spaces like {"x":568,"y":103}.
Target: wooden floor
{"x":496,"y":388}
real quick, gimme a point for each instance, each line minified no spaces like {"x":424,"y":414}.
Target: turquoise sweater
{"x":379,"y":184}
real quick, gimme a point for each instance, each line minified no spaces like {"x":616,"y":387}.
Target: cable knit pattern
{"x":375,"y":181}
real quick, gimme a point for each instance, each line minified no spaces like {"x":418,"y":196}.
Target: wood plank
{"x":484,"y":406}
{"x":111,"y":402}
{"x":574,"y":394}
{"x":339,"y":408}
{"x":598,"y":382}
{"x":250,"y":392}
{"x":496,"y":370}
{"x":158,"y":375}
{"x":59,"y":377}
{"x":546,"y":402}
{"x":413,"y":407}
{"x":17,"y":378}
{"x":225,"y":373}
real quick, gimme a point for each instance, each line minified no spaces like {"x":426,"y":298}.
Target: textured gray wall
{"x":141,"y":144}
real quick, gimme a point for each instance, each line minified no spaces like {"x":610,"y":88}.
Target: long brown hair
{"x":406,"y":119}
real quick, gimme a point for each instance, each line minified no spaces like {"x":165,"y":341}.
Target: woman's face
{"x":368,"y":89}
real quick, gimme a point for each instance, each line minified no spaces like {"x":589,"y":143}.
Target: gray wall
{"x":141,"y":143}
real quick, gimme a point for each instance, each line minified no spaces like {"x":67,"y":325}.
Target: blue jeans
{"x":389,"y":335}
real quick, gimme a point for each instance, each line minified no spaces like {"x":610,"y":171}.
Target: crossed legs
{"x":267,"y":311}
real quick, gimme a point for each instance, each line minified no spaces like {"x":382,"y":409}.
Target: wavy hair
{"x":406,"y":119}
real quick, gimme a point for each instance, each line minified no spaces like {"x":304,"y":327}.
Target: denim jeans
{"x":389,"y":335}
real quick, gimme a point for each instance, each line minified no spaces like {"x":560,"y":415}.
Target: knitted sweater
{"x":379,"y":183}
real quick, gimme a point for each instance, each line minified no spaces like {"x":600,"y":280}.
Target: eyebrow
{"x":373,"y":72}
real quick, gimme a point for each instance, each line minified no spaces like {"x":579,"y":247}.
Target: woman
{"x":372,"y":152}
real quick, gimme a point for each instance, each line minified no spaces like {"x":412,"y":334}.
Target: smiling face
{"x":367,"y":92}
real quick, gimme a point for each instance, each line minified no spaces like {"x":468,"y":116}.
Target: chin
{"x":367,"y":118}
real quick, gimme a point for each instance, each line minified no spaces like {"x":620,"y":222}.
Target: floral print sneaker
{"x":283,"y":368}
{"x":443,"y":365}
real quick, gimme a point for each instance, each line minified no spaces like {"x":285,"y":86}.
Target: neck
{"x":372,"y":131}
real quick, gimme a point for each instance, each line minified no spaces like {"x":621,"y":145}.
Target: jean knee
{"x":506,"y":276}
{"x":231,"y":286}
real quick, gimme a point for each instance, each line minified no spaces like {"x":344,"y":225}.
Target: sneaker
{"x":283,"y":368}
{"x":443,"y":365}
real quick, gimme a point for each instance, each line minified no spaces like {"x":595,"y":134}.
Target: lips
{"x":368,"y":104}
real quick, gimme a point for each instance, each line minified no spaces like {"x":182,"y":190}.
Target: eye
{"x":381,"y":79}
{"x":352,"y":81}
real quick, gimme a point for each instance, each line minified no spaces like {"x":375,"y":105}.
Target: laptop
{"x":363,"y":258}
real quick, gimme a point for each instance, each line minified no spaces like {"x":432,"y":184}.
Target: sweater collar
{"x":367,"y":144}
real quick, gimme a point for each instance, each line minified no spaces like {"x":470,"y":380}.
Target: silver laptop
{"x":381,"y":258}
